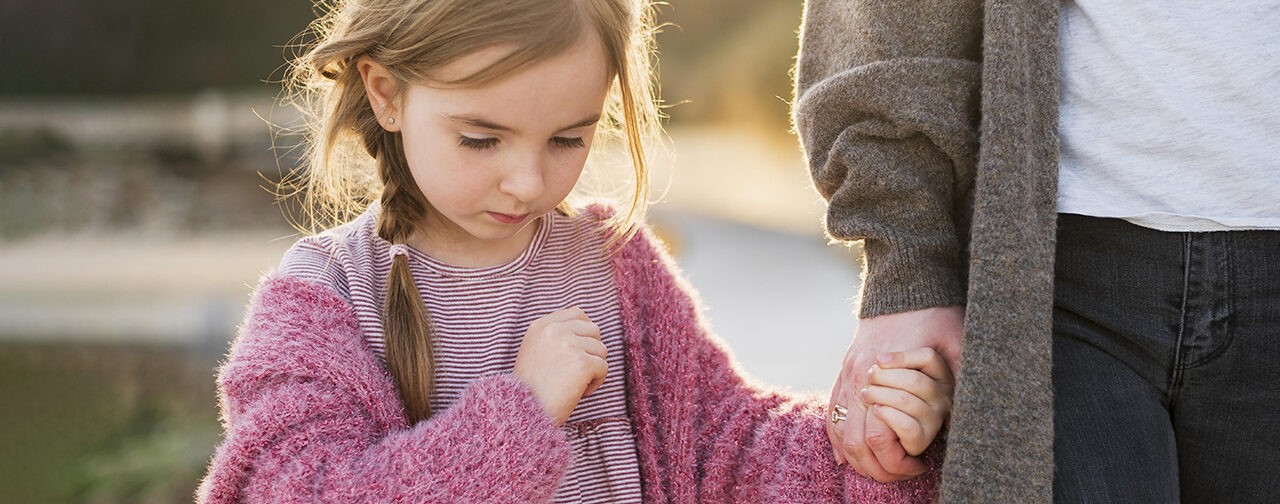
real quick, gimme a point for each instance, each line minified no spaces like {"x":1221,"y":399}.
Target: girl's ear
{"x":381,"y":89}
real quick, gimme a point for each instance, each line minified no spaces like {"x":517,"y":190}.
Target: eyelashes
{"x":477,"y":143}
{"x":569,"y":143}
{"x":481,"y":144}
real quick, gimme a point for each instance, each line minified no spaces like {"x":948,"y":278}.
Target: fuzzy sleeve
{"x":709,"y":434}
{"x":309,"y":416}
{"x":887,"y":109}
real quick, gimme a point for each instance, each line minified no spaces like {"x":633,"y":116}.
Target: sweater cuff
{"x":512,"y":439}
{"x":897,"y":278}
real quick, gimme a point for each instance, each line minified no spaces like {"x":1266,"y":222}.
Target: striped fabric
{"x":481,"y":315}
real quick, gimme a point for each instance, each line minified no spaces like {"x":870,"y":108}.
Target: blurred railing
{"x":210,"y":126}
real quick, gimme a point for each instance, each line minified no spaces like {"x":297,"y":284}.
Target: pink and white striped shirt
{"x":480,"y":317}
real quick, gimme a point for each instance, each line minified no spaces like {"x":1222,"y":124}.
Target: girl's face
{"x":492,"y":160}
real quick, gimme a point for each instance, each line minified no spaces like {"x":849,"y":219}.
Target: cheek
{"x":564,"y":175}
{"x":447,"y":182}
{"x":422,"y":146}
{"x":434,"y":160}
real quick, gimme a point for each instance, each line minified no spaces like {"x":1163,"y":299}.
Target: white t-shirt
{"x":1170,"y":113}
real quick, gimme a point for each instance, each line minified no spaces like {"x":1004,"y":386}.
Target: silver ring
{"x":838,"y":413}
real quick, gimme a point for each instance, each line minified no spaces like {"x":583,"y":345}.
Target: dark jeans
{"x":1166,"y":364}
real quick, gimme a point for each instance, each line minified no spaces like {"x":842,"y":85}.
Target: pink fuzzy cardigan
{"x":311,"y":416}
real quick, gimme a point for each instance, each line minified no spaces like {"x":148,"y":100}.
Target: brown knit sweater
{"x":931,"y":129}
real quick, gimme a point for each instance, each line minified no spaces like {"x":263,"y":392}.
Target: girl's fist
{"x":562,"y":360}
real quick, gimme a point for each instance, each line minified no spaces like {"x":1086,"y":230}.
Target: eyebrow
{"x":480,"y":122}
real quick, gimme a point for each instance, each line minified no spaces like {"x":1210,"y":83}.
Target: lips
{"x":508,"y":218}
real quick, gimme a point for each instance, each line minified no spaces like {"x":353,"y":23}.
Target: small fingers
{"x":913,"y":436}
{"x":889,"y":451}
{"x":927,"y":360}
{"x":599,"y":371}
{"x":896,"y":398}
{"x":592,"y":347}
{"x":571,"y":313}
{"x":584,"y":328}
{"x":937,"y":394}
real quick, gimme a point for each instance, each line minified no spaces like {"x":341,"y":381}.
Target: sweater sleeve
{"x":887,"y":101}
{"x":738,"y":442}
{"x":310,"y":417}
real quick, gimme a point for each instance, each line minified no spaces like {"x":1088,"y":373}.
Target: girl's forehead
{"x":472,"y":63}
{"x":557,"y":92}
{"x":588,"y":49}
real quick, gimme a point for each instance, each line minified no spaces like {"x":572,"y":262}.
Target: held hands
{"x":874,"y":443}
{"x":910,"y":392}
{"x":562,"y":360}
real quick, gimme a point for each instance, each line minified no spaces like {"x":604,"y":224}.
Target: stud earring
{"x":391,"y":120}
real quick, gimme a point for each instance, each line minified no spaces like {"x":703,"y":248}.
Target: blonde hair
{"x":352,"y":160}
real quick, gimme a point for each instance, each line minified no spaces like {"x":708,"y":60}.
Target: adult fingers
{"x":833,"y":435}
{"x":833,"y":431}
{"x":854,"y":443}
{"x":851,"y":432}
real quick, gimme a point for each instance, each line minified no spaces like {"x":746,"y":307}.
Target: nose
{"x":523,"y":178}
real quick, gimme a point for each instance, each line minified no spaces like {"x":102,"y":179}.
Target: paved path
{"x":782,"y":302}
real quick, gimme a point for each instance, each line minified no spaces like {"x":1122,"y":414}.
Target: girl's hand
{"x":911,"y":391}
{"x":562,"y":360}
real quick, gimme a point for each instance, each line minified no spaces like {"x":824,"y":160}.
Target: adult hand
{"x":864,"y":440}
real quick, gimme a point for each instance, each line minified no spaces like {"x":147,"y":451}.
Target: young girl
{"x":469,"y":337}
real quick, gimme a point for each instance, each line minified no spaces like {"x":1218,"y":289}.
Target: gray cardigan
{"x":931,"y":129}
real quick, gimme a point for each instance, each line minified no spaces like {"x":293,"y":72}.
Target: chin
{"x":497,"y":232}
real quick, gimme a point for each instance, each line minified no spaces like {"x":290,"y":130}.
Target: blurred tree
{"x":68,"y":47}
{"x":727,"y":58}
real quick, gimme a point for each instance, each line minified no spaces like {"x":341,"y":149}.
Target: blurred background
{"x":136,"y":213}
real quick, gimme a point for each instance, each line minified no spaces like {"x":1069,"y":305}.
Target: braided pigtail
{"x":407,"y":328}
